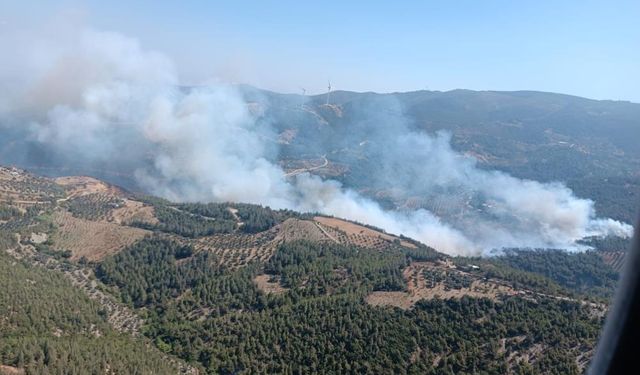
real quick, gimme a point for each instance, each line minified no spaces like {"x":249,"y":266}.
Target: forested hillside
{"x":319,"y":321}
{"x":98,"y":280}
{"x":48,"y":326}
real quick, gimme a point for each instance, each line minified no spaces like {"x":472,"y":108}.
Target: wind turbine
{"x":328,"y":91}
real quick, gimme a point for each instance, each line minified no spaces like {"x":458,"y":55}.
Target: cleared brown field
{"x":294,"y":229}
{"x":265,"y":284}
{"x":348,"y":232}
{"x":133,"y":211}
{"x":419,"y":288}
{"x":92,"y":239}
{"x":83,"y":185}
{"x":10,"y":370}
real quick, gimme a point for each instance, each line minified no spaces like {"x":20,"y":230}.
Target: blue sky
{"x":584,"y":48}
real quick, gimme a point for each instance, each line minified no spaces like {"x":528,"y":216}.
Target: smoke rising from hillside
{"x":504,"y":211}
{"x":99,"y":98}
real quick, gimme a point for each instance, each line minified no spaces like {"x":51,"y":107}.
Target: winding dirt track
{"x":303,"y":170}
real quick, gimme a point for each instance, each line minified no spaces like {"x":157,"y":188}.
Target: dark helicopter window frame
{"x":616,"y":352}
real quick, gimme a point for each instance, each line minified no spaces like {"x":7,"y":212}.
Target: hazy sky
{"x":585,"y":48}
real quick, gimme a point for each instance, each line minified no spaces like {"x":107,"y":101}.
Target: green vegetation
{"x":311,"y":317}
{"x":421,"y":254}
{"x":614,"y":196}
{"x":7,"y":240}
{"x":254,"y":218}
{"x":45,"y":248}
{"x":469,"y":331}
{"x":257,"y":218}
{"x":493,"y":268}
{"x":154,"y":272}
{"x":218,"y":211}
{"x":217,"y":318}
{"x":148,"y":272}
{"x":549,"y":271}
{"x":8,"y":212}
{"x":581,"y":272}
{"x":320,"y":268}
{"x":609,"y":243}
{"x":49,"y":326}
{"x":338,"y":334}
{"x":93,"y":206}
{"x":174,"y":220}
{"x":205,"y":219}
{"x":35,"y":219}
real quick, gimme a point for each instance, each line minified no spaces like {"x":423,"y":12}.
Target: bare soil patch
{"x":38,"y":238}
{"x":83,"y":185}
{"x":234,"y":213}
{"x":266,"y":284}
{"x":10,"y":370}
{"x":133,"y":211}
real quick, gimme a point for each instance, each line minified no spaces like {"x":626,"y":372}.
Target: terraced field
{"x":236,"y":250}
{"x":614,"y":258}
{"x":346,"y":232}
{"x":94,"y":206}
{"x":23,"y":189}
{"x":92,"y":239}
{"x":94,"y":219}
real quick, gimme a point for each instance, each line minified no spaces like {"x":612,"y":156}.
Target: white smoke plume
{"x":99,"y":97}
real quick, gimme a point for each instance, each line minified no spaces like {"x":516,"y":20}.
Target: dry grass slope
{"x":132,"y":211}
{"x":92,"y":239}
{"x":83,"y":185}
{"x":346,"y":232}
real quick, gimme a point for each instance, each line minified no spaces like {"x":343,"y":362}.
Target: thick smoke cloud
{"x":491,"y":208}
{"x":99,"y":98}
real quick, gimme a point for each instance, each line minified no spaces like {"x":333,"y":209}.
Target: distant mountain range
{"x":591,"y":145}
